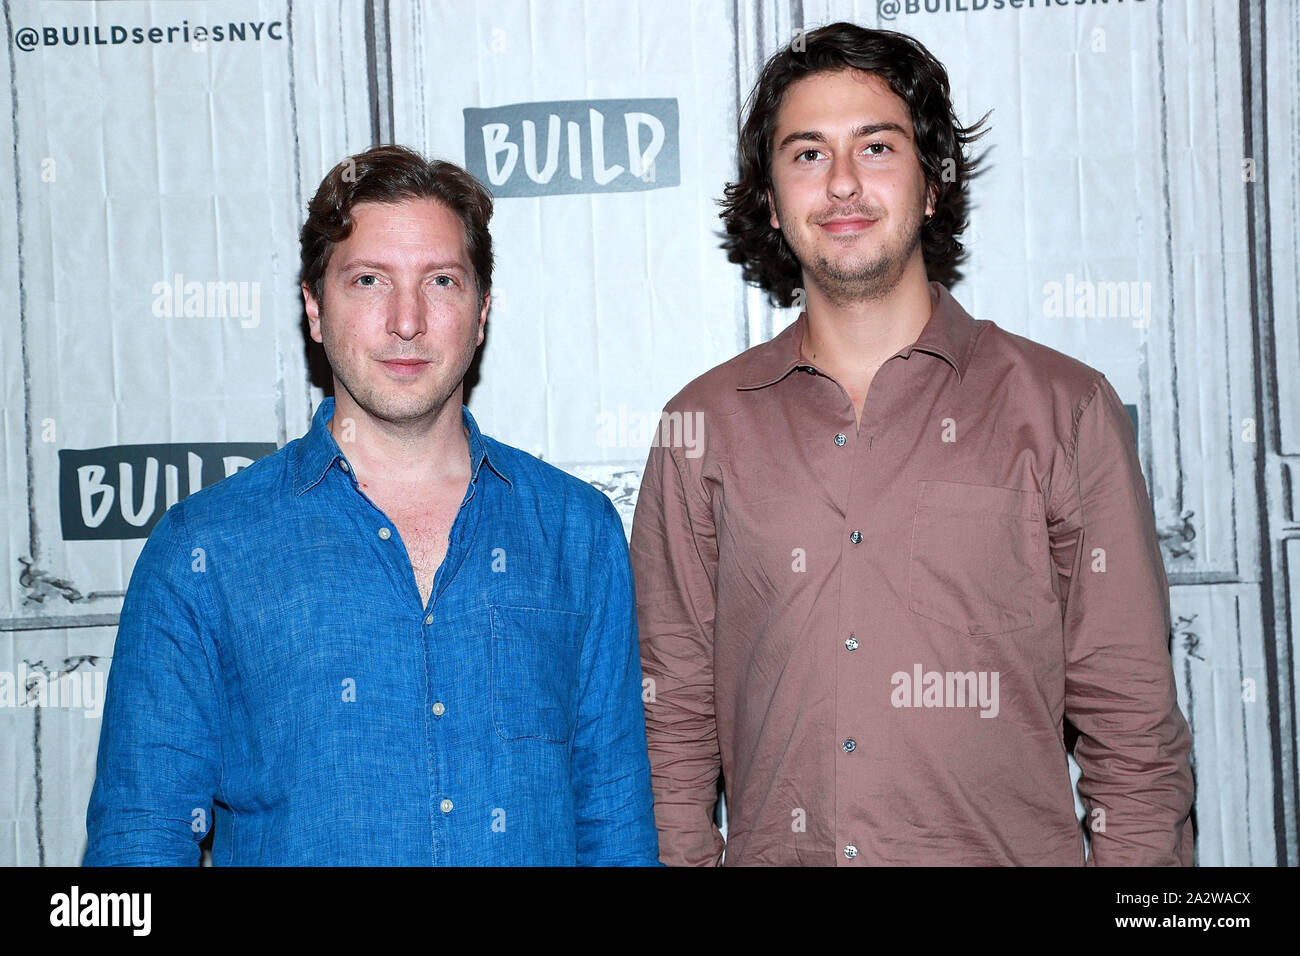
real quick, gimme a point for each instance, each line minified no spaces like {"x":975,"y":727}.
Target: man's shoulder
{"x":541,"y":482}
{"x":719,"y":385}
{"x":253,"y":493}
{"x":1035,"y":365}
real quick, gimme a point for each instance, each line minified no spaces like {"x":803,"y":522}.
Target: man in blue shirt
{"x":395,"y":640}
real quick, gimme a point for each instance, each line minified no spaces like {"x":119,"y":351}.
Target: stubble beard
{"x":871,"y":281}
{"x":844,"y":281}
{"x":399,"y":404}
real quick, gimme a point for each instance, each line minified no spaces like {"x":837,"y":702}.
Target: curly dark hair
{"x":393,"y":174}
{"x":920,"y":81}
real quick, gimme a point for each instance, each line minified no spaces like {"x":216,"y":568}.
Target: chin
{"x":389,"y":407}
{"x":413,"y":406}
{"x":856,"y":272}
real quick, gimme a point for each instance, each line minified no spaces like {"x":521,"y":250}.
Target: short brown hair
{"x":393,"y":174}
{"x":920,"y":81}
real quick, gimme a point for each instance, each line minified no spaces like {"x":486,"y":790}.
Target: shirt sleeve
{"x":675,"y":557}
{"x":611,"y":772}
{"x":1134,"y":747}
{"x":159,"y":757}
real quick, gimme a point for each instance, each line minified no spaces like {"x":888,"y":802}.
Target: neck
{"x":432,"y":448}
{"x":852,"y":339}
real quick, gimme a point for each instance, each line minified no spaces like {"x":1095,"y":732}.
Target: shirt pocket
{"x":977,"y":556}
{"x":535,"y":671}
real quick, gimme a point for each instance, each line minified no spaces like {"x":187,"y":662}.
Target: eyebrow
{"x":372,"y":264}
{"x":816,"y":136}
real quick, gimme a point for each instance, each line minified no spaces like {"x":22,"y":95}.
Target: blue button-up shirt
{"x":277,"y":677}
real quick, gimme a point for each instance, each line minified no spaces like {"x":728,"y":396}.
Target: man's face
{"x":848,"y":191}
{"x":400,"y":316}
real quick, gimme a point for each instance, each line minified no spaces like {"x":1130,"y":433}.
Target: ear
{"x":932,"y":195}
{"x":313,"y":312}
{"x":771,"y":207}
{"x":482,"y":316}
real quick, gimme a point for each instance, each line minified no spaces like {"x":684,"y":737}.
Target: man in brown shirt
{"x":911,"y":546}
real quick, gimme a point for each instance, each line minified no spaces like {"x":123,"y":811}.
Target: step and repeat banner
{"x":1138,"y":212}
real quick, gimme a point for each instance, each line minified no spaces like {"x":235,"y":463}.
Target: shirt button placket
{"x":850,"y":610}
{"x":437,"y":708}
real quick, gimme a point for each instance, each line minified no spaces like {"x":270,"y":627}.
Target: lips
{"x":847,"y":224}
{"x":404,"y":366}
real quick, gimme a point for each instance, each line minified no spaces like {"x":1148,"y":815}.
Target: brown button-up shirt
{"x":876,"y":633}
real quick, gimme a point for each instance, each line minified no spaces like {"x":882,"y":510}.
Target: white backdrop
{"x":1139,"y":212}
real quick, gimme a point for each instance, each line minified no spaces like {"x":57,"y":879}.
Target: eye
{"x":883,"y":146}
{"x":361,"y":280}
{"x":449,"y":283}
{"x":800,"y":156}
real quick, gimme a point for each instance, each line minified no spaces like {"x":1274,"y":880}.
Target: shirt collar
{"x":949,"y":334}
{"x":317,"y":451}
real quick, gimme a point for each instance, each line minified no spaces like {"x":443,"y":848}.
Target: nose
{"x":843,"y":184}
{"x":408,"y":313}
